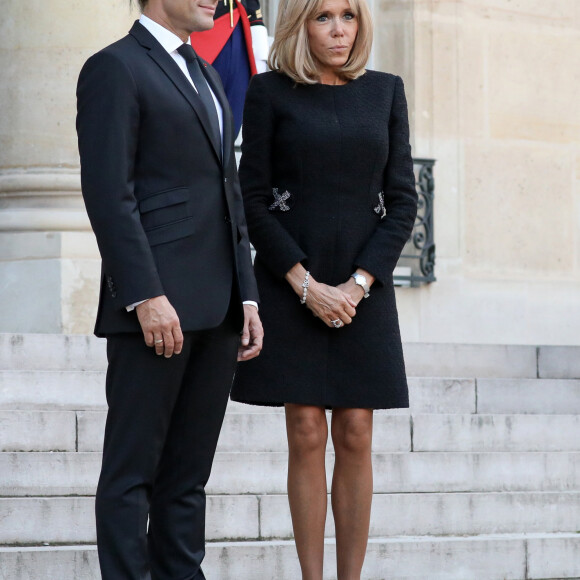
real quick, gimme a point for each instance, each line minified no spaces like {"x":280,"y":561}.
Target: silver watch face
{"x":361,"y":281}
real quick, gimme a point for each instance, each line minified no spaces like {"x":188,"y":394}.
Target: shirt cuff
{"x":252,"y":303}
{"x":132,"y":307}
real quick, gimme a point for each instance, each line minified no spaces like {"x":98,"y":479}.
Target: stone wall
{"x":493,"y":87}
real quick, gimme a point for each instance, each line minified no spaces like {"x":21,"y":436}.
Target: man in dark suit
{"x":160,"y":186}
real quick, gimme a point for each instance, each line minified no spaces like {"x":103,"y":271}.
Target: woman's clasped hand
{"x":331,"y":304}
{"x":335,"y":306}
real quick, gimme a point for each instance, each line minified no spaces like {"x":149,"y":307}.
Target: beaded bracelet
{"x":305,"y":285}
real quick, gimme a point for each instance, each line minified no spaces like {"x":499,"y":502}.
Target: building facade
{"x":492,"y":87}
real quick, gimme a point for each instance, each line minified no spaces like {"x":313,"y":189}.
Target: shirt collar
{"x":169,"y":41}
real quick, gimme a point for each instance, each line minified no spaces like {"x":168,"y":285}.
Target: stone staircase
{"x":479,"y":481}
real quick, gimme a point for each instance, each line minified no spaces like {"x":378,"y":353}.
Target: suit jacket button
{"x":225,"y":179}
{"x":227,"y":219}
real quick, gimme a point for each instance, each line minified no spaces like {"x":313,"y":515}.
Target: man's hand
{"x":252,"y":335}
{"x":160,"y":325}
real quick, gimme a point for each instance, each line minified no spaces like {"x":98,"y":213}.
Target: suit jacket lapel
{"x":174,"y":73}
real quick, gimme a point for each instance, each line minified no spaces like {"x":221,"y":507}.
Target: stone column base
{"x":49,"y":281}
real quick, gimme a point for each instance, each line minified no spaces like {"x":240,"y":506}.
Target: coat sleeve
{"x":107,"y":128}
{"x":274,"y":245}
{"x":248,"y":285}
{"x":381,"y":253}
{"x":245,"y":269}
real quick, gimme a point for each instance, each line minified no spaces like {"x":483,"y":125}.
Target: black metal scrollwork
{"x":416,"y":265}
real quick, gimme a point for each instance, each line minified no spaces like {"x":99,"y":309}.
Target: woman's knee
{"x":352,"y":430}
{"x":306,"y":428}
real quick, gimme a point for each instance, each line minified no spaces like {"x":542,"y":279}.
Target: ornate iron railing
{"x":416,"y":265}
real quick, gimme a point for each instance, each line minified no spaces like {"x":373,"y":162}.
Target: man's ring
{"x":159,"y":341}
{"x":336,"y":323}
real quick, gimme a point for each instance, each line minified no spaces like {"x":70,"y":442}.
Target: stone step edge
{"x":532,"y":361}
{"x":329,"y":541}
{"x":549,"y":556}
{"x":329,"y":453}
{"x":285,"y":453}
{"x":375,"y":493}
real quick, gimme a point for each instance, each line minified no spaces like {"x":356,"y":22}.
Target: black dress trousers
{"x":163,"y":424}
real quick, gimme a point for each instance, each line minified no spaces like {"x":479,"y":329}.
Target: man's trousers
{"x":163,"y":424}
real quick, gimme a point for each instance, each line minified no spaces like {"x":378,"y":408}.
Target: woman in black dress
{"x":329,"y":193}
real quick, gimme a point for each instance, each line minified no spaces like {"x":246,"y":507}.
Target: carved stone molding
{"x":44,"y":199}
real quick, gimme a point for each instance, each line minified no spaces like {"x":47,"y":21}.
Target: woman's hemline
{"x":319,"y":404}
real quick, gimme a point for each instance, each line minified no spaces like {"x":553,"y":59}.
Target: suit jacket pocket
{"x":165,"y":216}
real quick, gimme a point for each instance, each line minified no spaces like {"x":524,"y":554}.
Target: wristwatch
{"x":361,"y":281}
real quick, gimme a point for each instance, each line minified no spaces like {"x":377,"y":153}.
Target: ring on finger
{"x":159,"y":341}
{"x":336,"y":323}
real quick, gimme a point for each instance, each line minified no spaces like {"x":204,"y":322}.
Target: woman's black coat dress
{"x":327,"y":180}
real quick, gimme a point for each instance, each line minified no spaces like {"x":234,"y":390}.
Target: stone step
{"x":496,"y":433}
{"x":555,"y":396}
{"x":488,"y":557}
{"x":69,"y":352}
{"x":49,"y":474}
{"x":259,"y":432}
{"x":60,"y":520}
{"x":559,"y":362}
{"x":85,"y":390}
{"x":46,"y":389}
{"x":34,"y":520}
{"x":38,"y":431}
{"x":471,"y":360}
{"x":83,"y":431}
{"x":442,"y":514}
{"x":52,"y":352}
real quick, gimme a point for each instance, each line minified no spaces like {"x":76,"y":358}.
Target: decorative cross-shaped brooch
{"x":380,"y":209}
{"x":280,"y":200}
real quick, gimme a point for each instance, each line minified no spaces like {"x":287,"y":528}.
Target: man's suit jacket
{"x":164,"y":203}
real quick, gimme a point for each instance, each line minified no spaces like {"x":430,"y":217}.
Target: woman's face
{"x":331,"y":34}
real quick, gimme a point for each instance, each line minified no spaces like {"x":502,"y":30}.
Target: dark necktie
{"x":194,"y":68}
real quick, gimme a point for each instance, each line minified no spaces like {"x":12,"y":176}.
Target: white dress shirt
{"x":171,"y":42}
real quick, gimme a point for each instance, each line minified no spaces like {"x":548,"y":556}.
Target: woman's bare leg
{"x":352,"y":488}
{"x":307,"y":432}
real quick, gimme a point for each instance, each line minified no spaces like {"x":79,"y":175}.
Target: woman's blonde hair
{"x":291,"y":54}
